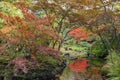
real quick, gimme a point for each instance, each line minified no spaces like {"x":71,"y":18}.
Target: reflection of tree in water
{"x":78,"y":71}
{"x":91,"y":74}
{"x":79,"y":64}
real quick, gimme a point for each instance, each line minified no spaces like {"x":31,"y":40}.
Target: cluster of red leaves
{"x":40,"y":23}
{"x":79,"y":65}
{"x":21,"y":64}
{"x":79,"y":34}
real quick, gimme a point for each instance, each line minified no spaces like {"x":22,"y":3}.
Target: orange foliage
{"x":79,"y":65}
{"x":79,"y":34}
{"x":28,"y":30}
{"x":6,"y":30}
{"x":29,"y":27}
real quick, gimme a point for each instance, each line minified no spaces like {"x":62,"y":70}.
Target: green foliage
{"x":7,"y":74}
{"x":80,"y":46}
{"x":4,"y":59}
{"x":10,"y":9}
{"x":19,"y":53}
{"x":113,"y":60}
{"x":8,"y":0}
{"x":98,"y":49}
{"x":117,"y":8}
{"x":76,"y":48}
{"x":1,"y":23}
{"x":48,"y":60}
{"x":96,"y":62}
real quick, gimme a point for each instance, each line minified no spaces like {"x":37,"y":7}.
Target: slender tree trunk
{"x":60,"y":45}
{"x":54,"y":44}
{"x":63,"y":40}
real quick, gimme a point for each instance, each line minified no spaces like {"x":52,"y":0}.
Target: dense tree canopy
{"x":33,"y":29}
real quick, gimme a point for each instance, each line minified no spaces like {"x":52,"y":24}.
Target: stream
{"x":92,"y":74}
{"x":89,"y":73}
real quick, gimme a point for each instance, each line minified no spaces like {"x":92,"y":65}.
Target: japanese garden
{"x":59,"y":40}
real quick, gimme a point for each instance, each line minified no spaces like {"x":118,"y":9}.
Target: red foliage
{"x":21,"y":64}
{"x":79,"y":65}
{"x":32,"y":17}
{"x":27,"y":14}
{"x":79,"y":34}
{"x":29,"y":33}
{"x":29,"y":28}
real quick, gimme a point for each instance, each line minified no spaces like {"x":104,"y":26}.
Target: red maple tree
{"x":30,"y":34}
{"x":79,"y":34}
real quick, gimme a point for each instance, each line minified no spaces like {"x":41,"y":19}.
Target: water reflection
{"x":85,"y":75}
{"x":67,"y":74}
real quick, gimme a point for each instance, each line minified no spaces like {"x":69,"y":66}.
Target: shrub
{"x":98,"y":49}
{"x":113,"y":60}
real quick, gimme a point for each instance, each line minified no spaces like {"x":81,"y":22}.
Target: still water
{"x":91,"y":74}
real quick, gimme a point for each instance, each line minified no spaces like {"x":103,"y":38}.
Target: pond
{"x":92,"y":73}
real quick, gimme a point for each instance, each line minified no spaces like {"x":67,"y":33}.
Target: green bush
{"x":80,"y":46}
{"x":113,"y":60}
{"x":98,"y":49}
